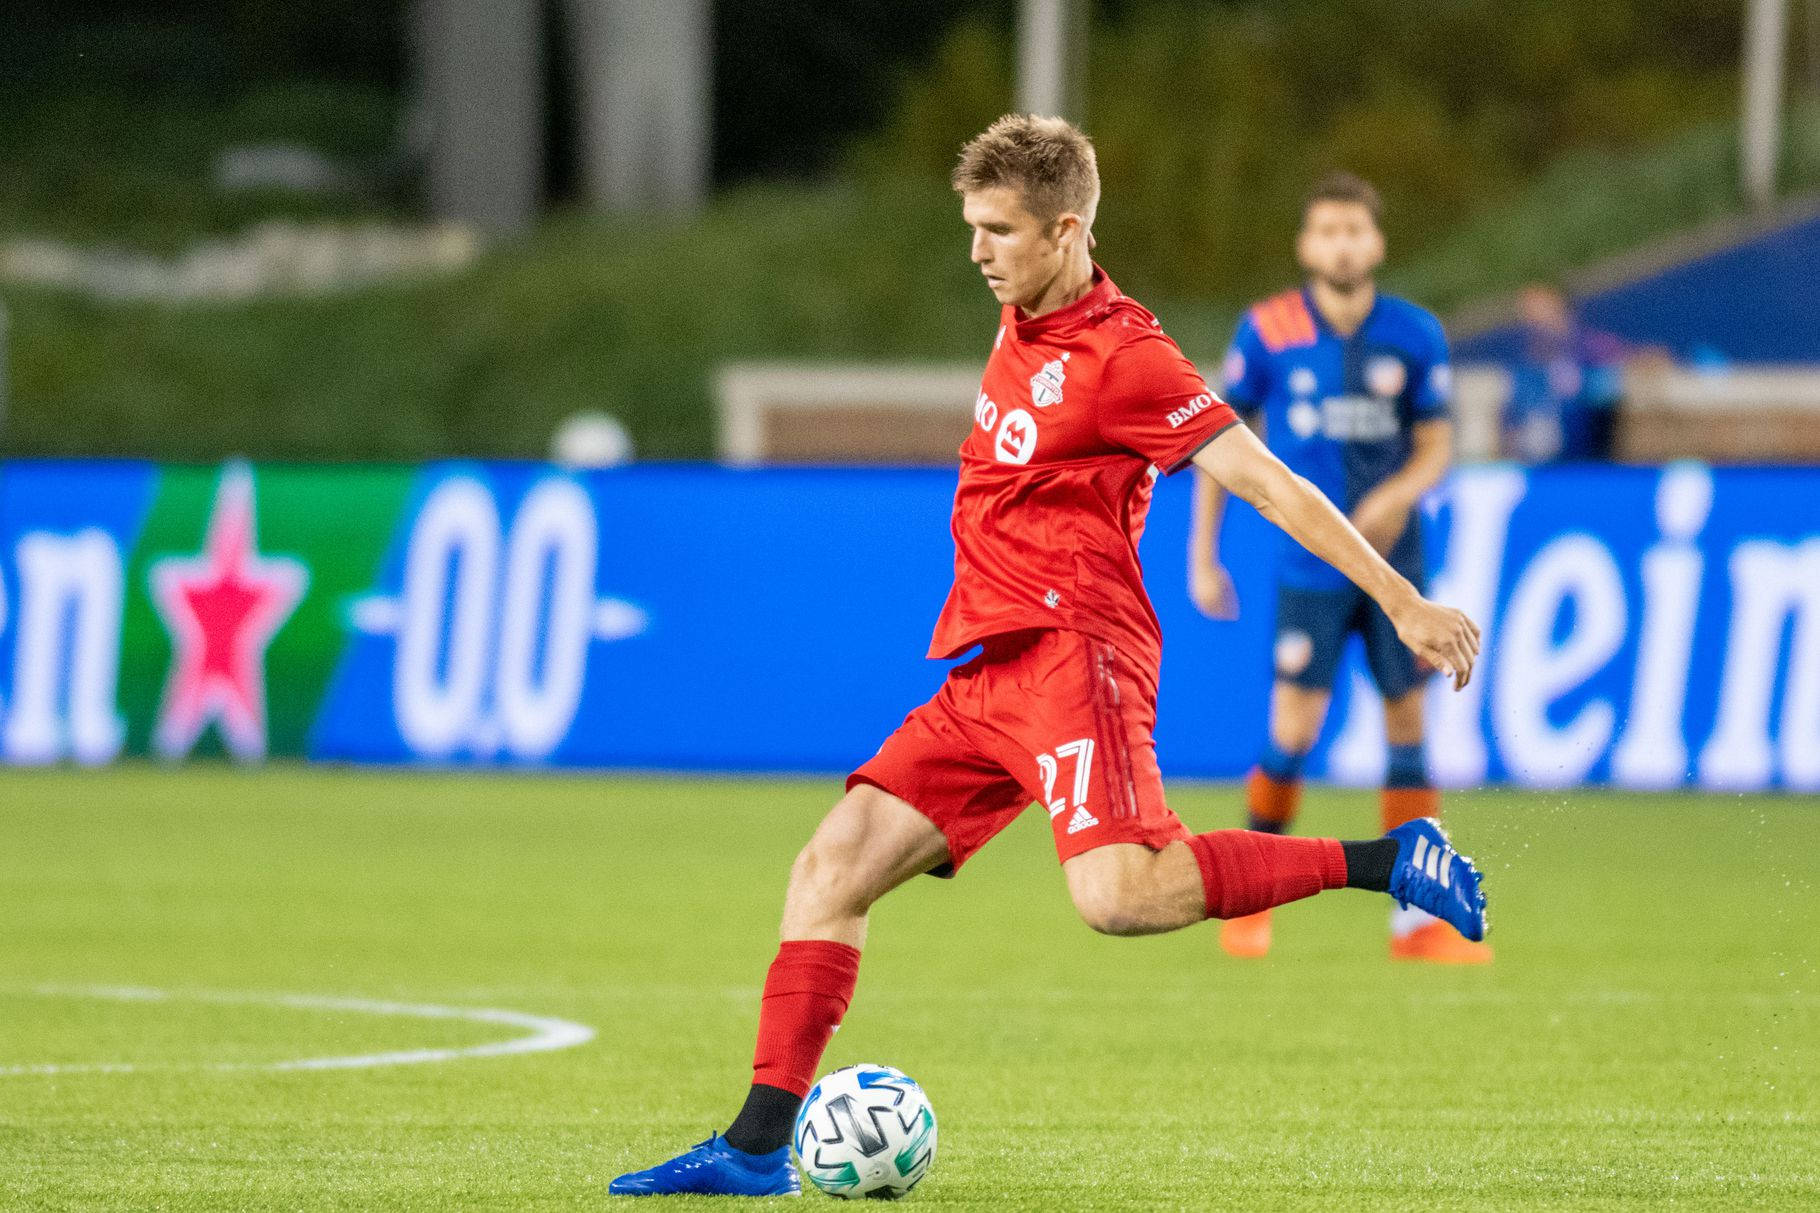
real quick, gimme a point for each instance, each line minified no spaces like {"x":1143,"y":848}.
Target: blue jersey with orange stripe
{"x":1339,"y":410}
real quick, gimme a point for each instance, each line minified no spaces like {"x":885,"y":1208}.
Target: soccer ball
{"x":865,"y":1131}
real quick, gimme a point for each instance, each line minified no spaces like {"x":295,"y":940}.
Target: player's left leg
{"x":867,"y":845}
{"x":1408,"y":793}
{"x":926,"y":801}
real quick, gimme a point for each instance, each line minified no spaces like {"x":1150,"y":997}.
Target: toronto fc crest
{"x":1046,"y":384}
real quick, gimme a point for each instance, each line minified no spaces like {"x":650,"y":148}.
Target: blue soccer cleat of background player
{"x":714,"y":1168}
{"x":1430,"y":875}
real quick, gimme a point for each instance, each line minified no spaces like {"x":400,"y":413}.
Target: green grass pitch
{"x":1648,"y":1035}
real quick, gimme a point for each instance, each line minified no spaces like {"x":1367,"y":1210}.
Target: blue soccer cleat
{"x":714,"y":1168}
{"x":1430,"y":875}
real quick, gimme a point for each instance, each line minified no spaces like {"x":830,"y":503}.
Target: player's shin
{"x":1414,"y":933}
{"x":807,"y":991}
{"x":1273,"y":792}
{"x":1244,"y":872}
{"x":1407,"y":794}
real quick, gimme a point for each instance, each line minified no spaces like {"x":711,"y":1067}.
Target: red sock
{"x":1243,"y":871}
{"x":806,"y":993}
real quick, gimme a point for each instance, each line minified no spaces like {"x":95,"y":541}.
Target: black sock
{"x":764,"y":1124}
{"x":1263,"y":825}
{"x":1368,"y":864}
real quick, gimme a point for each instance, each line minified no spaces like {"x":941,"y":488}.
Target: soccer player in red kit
{"x":1084,"y":403}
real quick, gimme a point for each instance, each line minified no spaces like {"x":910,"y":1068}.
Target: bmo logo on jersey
{"x":1016,"y":438}
{"x":985,"y":412}
{"x":1192,"y":409}
{"x":1013,"y":437}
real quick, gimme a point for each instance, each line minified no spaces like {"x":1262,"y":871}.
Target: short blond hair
{"x":1049,"y":161}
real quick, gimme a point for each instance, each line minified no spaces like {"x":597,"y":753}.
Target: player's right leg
{"x":867,"y":845}
{"x":1273,"y":793}
{"x":1132,"y":867}
{"x":1125,"y":888}
{"x":1312,"y":626}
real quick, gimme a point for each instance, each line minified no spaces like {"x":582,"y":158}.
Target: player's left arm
{"x":1382,"y":515}
{"x":1245,"y":467}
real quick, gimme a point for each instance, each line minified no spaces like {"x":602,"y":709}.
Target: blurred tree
{"x":795,"y":80}
{"x":203,"y":46}
{"x":1212,"y":118}
{"x":1211,"y":115}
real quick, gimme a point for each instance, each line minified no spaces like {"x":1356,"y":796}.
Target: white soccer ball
{"x":865,"y":1131}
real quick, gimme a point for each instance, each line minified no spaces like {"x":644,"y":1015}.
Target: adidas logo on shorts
{"x":1082,"y":820}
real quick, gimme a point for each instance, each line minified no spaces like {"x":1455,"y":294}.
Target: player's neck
{"x":1344,"y":311}
{"x":1070,"y":283}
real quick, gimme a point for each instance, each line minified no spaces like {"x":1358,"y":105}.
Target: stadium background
{"x":372,"y":396}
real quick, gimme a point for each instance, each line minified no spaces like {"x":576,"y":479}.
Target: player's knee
{"x":1296,"y":723}
{"x":827,"y":876}
{"x":1403,"y":718}
{"x":1111,"y":908}
{"x":1296,"y":741}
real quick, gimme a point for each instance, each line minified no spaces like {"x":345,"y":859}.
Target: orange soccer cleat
{"x":1435,"y":943}
{"x":1247,"y":936}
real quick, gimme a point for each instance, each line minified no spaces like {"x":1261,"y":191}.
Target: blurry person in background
{"x":1565,"y":386}
{"x":1353,"y":387}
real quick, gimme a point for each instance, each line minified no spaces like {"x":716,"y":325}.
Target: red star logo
{"x":222,"y":607}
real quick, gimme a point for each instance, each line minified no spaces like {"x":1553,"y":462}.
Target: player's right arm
{"x":1245,"y":384}
{"x":1440,"y":635}
{"x":1209,"y":584}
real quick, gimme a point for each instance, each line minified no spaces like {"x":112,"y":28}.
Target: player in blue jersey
{"x":1352,"y":386}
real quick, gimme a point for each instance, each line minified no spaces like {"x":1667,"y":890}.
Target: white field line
{"x":545,"y":1033}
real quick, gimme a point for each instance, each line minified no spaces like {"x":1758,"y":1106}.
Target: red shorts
{"x":1050,"y":716}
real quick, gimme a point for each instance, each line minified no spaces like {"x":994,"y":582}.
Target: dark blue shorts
{"x":1312,"y":627}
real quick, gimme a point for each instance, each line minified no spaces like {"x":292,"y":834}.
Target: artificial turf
{"x":1649,"y":1034}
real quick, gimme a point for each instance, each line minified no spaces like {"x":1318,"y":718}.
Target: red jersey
{"x":1078,"y":413}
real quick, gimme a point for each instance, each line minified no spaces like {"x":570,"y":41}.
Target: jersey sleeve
{"x":1245,"y":374}
{"x":1155,"y":404}
{"x":1432,"y":398}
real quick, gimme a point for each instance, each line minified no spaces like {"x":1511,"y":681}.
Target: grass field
{"x":1648,"y":1035}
